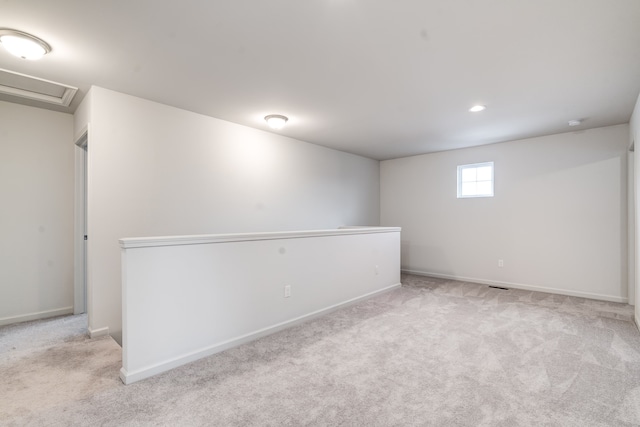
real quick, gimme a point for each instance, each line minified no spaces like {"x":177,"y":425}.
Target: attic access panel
{"x":29,"y":87}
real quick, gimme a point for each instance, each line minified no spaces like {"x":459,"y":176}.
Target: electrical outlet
{"x":500,"y":263}
{"x":287,"y":291}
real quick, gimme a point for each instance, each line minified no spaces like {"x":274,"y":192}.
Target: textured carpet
{"x":434,"y":353}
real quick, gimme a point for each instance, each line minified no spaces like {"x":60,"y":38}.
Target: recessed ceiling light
{"x":477,"y":108}
{"x":575,"y":122}
{"x":23,"y":45}
{"x":276,"y":121}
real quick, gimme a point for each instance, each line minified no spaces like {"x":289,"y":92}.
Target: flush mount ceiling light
{"x":276,"y":121}
{"x":23,"y":45}
{"x":574,"y":122}
{"x":477,"y":108}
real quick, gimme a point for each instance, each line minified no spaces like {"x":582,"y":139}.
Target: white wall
{"x":36,"y":218}
{"x":186,"y":298}
{"x":631,"y":226}
{"x":558,"y":218}
{"x":159,"y":170}
{"x":634,"y":138}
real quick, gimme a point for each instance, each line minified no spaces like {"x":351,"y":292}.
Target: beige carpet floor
{"x":432,"y":353}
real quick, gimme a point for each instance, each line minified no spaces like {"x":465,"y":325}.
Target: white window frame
{"x":474,"y":166}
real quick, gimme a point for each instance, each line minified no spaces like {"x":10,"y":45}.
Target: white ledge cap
{"x":203,"y":239}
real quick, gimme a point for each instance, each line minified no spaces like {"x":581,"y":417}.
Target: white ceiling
{"x":379,"y":78}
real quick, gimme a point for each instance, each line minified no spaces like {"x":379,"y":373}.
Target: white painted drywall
{"x":36,"y":218}
{"x":186,"y":298}
{"x":631,"y":227}
{"x":634,"y":138}
{"x":159,"y":170}
{"x":558,"y":218}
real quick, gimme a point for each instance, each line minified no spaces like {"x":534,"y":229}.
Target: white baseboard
{"x":524,"y":287}
{"x":635,"y":320}
{"x":100,"y":332}
{"x":131,"y":377}
{"x":36,"y":316}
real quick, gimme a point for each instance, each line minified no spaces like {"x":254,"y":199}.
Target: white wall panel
{"x":36,"y":216}
{"x":159,"y":170}
{"x":558,"y":218}
{"x":189,"y":297}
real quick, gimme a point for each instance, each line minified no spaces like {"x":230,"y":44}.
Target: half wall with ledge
{"x":187,"y":297}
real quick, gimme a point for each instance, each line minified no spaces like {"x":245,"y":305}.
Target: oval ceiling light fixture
{"x":477,"y":108}
{"x":276,"y":121}
{"x":23,"y":45}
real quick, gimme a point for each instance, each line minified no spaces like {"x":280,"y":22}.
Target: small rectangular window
{"x":475,"y":180}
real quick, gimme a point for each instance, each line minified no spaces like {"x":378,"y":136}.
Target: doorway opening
{"x":80,"y":226}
